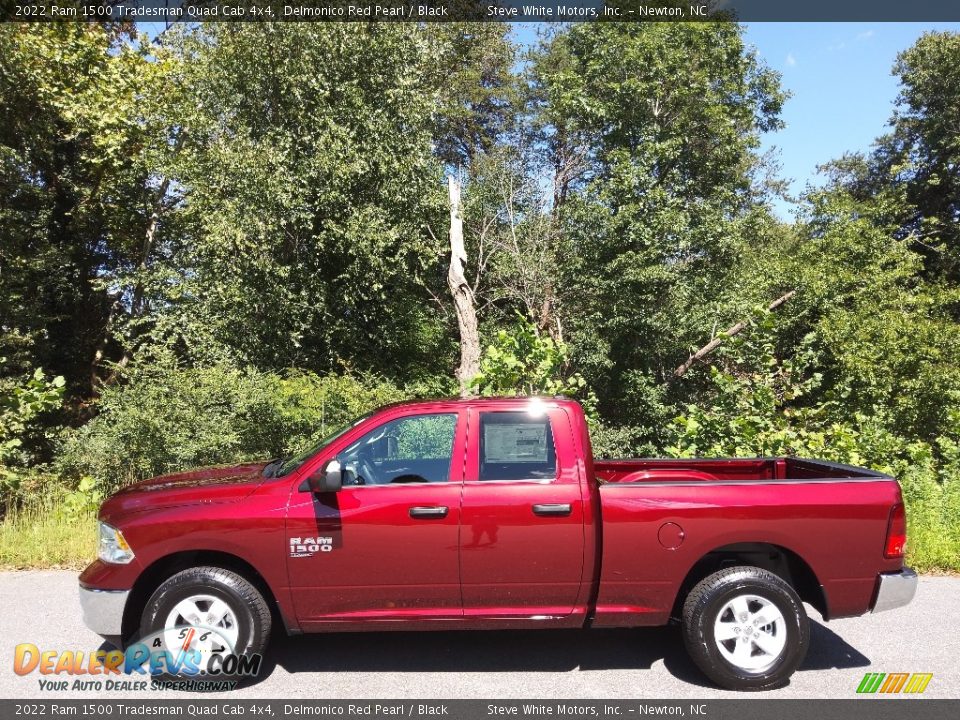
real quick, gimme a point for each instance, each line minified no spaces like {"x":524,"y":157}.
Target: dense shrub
{"x":160,"y":422}
{"x":25,"y":429}
{"x":930,"y":478}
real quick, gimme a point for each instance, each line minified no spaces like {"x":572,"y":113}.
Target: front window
{"x":414,"y":449}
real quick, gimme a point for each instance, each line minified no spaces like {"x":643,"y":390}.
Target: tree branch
{"x":728,"y":333}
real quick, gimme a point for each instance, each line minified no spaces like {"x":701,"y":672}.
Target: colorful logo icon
{"x":910,"y":683}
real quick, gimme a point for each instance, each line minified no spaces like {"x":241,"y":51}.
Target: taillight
{"x":896,"y":533}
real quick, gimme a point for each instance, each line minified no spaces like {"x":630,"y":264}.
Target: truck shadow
{"x":511,"y":651}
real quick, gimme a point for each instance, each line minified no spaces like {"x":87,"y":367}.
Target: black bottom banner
{"x":873,"y":708}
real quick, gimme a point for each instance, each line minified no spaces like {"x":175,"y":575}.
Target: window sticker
{"x":515,"y":443}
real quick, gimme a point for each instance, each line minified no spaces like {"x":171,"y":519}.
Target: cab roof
{"x":504,"y":401}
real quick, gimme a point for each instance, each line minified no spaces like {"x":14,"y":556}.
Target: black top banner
{"x":173,"y":11}
{"x":233,"y":707}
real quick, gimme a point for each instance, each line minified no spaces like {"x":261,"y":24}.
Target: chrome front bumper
{"x":103,"y":610}
{"x":895,"y":590}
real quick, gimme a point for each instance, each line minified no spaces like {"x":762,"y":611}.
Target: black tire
{"x":711,"y":596}
{"x":250,"y":610}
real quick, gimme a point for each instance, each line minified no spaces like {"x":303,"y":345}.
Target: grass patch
{"x":933,"y":518}
{"x":41,"y":535}
{"x":933,"y":546}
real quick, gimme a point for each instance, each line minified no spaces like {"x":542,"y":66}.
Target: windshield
{"x":288,"y":465}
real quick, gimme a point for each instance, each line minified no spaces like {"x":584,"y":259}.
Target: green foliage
{"x":477,"y":90}
{"x":930,"y":478}
{"x":513,"y":236}
{"x":521,"y":361}
{"x":305,"y":243}
{"x":888,"y":337}
{"x":84,"y":501}
{"x":910,"y":177}
{"x":756,"y":409}
{"x":310,"y":406}
{"x":74,"y":189}
{"x":612,"y":441}
{"x":21,"y":406}
{"x":426,"y":437}
{"x":25,"y":430}
{"x":178,"y":419}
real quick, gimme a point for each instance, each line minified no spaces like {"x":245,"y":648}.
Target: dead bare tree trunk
{"x":728,"y":333}
{"x":463,"y":298}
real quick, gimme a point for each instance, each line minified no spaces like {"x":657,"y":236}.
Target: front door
{"x":522,"y":535}
{"x":385,"y":546}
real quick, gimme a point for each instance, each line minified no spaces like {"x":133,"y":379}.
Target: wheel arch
{"x":167,"y":566}
{"x":781,"y":561}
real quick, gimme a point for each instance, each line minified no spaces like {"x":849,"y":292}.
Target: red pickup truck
{"x":493,"y":513}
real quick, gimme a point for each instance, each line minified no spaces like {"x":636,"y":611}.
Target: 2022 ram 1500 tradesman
{"x":493,"y":513}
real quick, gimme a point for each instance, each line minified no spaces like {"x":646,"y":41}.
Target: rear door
{"x":522,"y":516}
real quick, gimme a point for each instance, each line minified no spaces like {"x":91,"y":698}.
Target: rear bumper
{"x":103,"y":610}
{"x":895,"y":590}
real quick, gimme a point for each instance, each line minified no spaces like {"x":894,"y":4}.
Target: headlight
{"x":112,"y":546}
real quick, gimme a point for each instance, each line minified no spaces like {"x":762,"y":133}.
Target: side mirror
{"x":330,"y":479}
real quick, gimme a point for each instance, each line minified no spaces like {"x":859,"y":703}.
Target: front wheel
{"x":202,"y":612}
{"x":745,"y":628}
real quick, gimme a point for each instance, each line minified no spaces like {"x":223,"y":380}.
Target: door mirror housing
{"x":328,"y":480}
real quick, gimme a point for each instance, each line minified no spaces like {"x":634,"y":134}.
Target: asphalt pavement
{"x":41,"y":607}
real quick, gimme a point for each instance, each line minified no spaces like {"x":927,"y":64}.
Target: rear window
{"x":516,"y":446}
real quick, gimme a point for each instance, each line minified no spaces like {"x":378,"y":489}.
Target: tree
{"x":308,"y":188}
{"x":885,"y":338}
{"x":75,"y":191}
{"x":653,"y":129}
{"x":913,"y":174}
{"x":476,"y":89}
{"x":875,"y":258}
{"x":25,"y":428}
{"x":513,"y":236}
{"x":522,"y":361}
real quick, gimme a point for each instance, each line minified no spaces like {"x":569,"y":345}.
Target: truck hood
{"x":222,"y":484}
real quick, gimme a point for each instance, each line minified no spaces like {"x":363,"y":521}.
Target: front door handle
{"x":439,"y":511}
{"x":552,"y":509}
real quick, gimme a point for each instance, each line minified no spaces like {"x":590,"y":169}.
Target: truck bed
{"x":660,"y":516}
{"x":660,"y":470}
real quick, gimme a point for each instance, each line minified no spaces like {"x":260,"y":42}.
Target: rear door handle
{"x":552,"y":509}
{"x":439,"y":511}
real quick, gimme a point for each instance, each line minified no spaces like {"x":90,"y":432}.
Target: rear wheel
{"x":745,"y":628}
